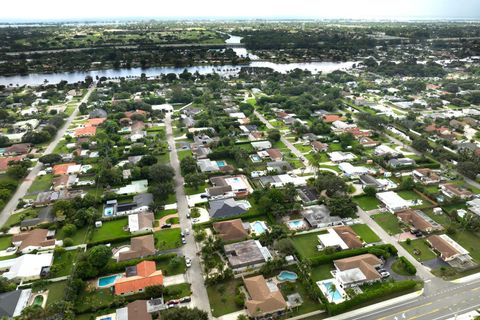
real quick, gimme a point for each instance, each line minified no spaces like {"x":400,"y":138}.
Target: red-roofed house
{"x":94,"y":122}
{"x":144,"y":275}
{"x":59,"y":169}
{"x":5,"y":161}
{"x":329,"y":118}
{"x":86,"y":132}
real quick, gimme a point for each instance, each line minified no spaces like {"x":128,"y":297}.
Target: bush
{"x":67,"y":242}
{"x":408,"y":266}
{"x":385,"y":250}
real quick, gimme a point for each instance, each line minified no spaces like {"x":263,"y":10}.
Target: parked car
{"x":188,"y":262}
{"x":166,"y":226}
{"x":185,"y":299}
{"x":172,"y":303}
{"x":188,"y":215}
{"x":184,"y":241}
{"x":187,"y":232}
{"x":195,"y":220}
{"x":385,"y":274}
{"x":11,"y":249}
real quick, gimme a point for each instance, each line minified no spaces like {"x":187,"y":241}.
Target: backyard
{"x":167,"y":239}
{"x":110,"y":230}
{"x":221,"y":296}
{"x":388,"y":222}
{"x":306,"y":244}
{"x":364,"y":232}
{"x":367,"y":203}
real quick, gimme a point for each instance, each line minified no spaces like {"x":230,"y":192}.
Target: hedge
{"x":114,"y":240}
{"x":389,"y":288}
{"x":407,"y":265}
{"x":384,"y":249}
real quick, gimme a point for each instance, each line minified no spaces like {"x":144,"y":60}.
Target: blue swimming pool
{"x":259,"y":227}
{"x":221,"y":163}
{"x":296,"y":224}
{"x":287,"y":276}
{"x":335,"y":296}
{"x":108,"y":281}
{"x":108,"y":211}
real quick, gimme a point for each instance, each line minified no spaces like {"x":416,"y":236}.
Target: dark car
{"x":185,"y":299}
{"x":166,"y":226}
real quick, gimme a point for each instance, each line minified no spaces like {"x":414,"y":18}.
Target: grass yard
{"x":168,"y":239}
{"x":388,"y":222}
{"x":169,"y":269}
{"x":190,"y":190}
{"x":306,"y":244}
{"x":163,"y":213}
{"x":424,"y":252}
{"x":221,"y":296}
{"x":63,"y":263}
{"x":5,"y":242}
{"x":183,"y":154}
{"x":365,"y":233}
{"x":78,"y":238}
{"x":56,"y":291}
{"x":110,"y":230}
{"x":308,"y":304}
{"x":398,"y":268}
{"x":41,"y":183}
{"x":100,"y":298}
{"x":367,"y":203}
{"x":321,"y":272}
{"x":469,"y":240}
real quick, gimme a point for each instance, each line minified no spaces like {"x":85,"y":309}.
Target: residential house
{"x":261,"y":145}
{"x":65,"y":168}
{"x":136,"y":310}
{"x":448,"y":249}
{"x":342,"y":237}
{"x":200,"y":151}
{"x":140,"y":222}
{"x":281,"y":180}
{"x":224,"y":208}
{"x":426,"y":176}
{"x":392,"y":201}
{"x":27,"y":267}
{"x":140,"y":247}
{"x":264,"y":299}
{"x":85,"y":132}
{"x":330,"y":118}
{"x":308,"y":195}
{"x":231,"y":230}
{"x":36,"y":239}
{"x":357,"y":270}
{"x":352,"y":171}
{"x":451,"y":191}
{"x":401,"y":162}
{"x":17,"y":149}
{"x":63,"y":182}
{"x":139,"y":277}
{"x":339,"y":156}
{"x":249,"y":253}
{"x":279,"y":166}
{"x":368,"y":142}
{"x":370,"y":181}
{"x":318,"y":216}
{"x":384,"y":150}
{"x":238,"y":184}
{"x":137,"y":131}
{"x":135,"y":187}
{"x":317,"y":146}
{"x":275,"y":154}
{"x":12,"y":303}
{"x":418,"y":220}
{"x":5,"y":162}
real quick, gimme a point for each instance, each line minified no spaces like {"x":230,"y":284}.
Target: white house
{"x":27,"y":267}
{"x":392,"y":201}
{"x":339,"y":156}
{"x":352,"y":171}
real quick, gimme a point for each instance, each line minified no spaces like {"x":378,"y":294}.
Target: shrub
{"x":67,"y":242}
{"x":408,"y":266}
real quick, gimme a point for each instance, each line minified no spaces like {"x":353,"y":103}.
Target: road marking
{"x":407,"y":310}
{"x":425,"y":314}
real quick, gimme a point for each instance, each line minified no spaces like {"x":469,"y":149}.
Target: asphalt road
{"x":440,"y":304}
{"x":194,"y":273}
{"x":27,"y":182}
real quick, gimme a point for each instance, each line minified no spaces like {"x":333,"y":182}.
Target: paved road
{"x":194,"y":273}
{"x":27,"y":182}
{"x":438,"y":304}
{"x":289,"y":145}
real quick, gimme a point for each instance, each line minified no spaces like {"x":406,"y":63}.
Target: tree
{"x":407,"y":183}
{"x":195,"y":180}
{"x":285,"y":246}
{"x":370,"y":191}
{"x":4,"y":141}
{"x":160,"y":173}
{"x":99,"y":256}
{"x":6,"y":285}
{"x":331,"y":183}
{"x":184,"y":313}
{"x":274,"y":135}
{"x":420,"y":144}
{"x":188,"y":165}
{"x":17,"y":171}
{"x":50,"y":158}
{"x":343,"y":207}
{"x":152,"y":292}
{"x":69,"y":229}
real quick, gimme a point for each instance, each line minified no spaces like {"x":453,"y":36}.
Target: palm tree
{"x":332,"y":289}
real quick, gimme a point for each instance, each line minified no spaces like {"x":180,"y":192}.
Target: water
{"x":221,"y":163}
{"x":107,"y":281}
{"x":259,"y":227}
{"x":225,"y":70}
{"x":335,"y":295}
{"x":296,"y":224}
{"x":287,"y":276}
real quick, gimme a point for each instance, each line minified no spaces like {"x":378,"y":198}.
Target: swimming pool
{"x":108,"y":281}
{"x":258,"y":227}
{"x":296,"y":224}
{"x":334,"y":296}
{"x":287,"y":276}
{"x":108,"y":211}
{"x":221,"y":163}
{"x":38,"y":300}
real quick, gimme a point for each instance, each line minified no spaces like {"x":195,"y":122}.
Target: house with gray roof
{"x":223,"y":208}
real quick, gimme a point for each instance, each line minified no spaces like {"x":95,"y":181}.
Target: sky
{"x":36,"y":10}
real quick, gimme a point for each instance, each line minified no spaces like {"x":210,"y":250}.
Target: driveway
{"x":172,"y":280}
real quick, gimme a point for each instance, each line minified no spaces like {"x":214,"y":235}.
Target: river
{"x":225,"y":70}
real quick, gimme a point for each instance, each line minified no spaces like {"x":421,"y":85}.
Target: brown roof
{"x":413,"y":218}
{"x":145,"y":220}
{"x":137,"y":310}
{"x":428,"y":173}
{"x":274,"y":154}
{"x":139,"y":247}
{"x":19,"y":148}
{"x":365,"y":262}
{"x":318,"y":145}
{"x":262,"y":300}
{"x":230,"y":230}
{"x":5,"y":161}
{"x":349,"y":237}
{"x":61,"y":180}
{"x":442,"y":246}
{"x":459,"y":191}
{"x":35,"y":237}
{"x":329,"y":118}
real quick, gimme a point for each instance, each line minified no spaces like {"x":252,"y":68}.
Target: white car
{"x":187,"y":232}
{"x":188,"y":262}
{"x":385,"y":274}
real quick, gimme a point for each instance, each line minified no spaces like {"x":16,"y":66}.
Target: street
{"x":194,"y":273}
{"x":27,"y":182}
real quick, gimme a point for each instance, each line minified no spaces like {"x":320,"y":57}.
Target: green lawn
{"x":41,"y":184}
{"x":63,"y":263}
{"x":110,"y":230}
{"x":5,"y":242}
{"x":321,"y":272}
{"x":222,"y":295}
{"x":79,"y":237}
{"x":308,"y":304}
{"x":170,"y":270}
{"x":365,"y":233}
{"x":190,"y":190}
{"x":469,"y":240}
{"x":56,"y":291}
{"x":168,"y":239}
{"x":183,"y":154}
{"x":367,"y":203}
{"x":306,"y":244}
{"x":163,"y":213}
{"x":388,"y":222}
{"x":399,"y":268}
{"x":424,"y":252}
